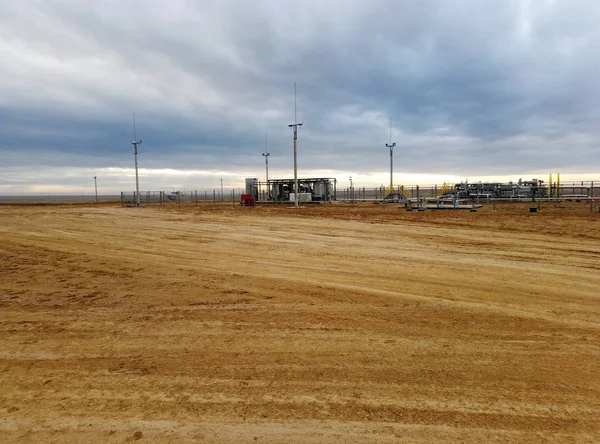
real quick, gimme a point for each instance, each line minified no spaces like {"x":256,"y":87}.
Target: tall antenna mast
{"x":295,"y":126}
{"x":135,"y":144}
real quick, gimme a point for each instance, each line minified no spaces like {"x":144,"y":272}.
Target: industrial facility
{"x":497,"y":190}
{"x":310,"y":190}
{"x":523,"y":189}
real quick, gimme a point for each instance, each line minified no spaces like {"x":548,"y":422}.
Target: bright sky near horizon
{"x":478,"y":90}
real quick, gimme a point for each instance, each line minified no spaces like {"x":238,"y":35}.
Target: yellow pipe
{"x":558,"y":185}
{"x":550,"y":186}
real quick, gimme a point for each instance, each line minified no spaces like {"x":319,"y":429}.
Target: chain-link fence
{"x":474,"y":191}
{"x":163,"y":198}
{"x":554,"y":196}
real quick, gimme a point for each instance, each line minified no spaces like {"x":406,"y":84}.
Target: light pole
{"x":96,"y":187}
{"x":267,"y":167}
{"x":391,"y":147}
{"x":295,"y":126}
{"x":267,"y":160}
{"x":351,"y":191}
{"x":221,"y":190}
{"x":135,"y":144}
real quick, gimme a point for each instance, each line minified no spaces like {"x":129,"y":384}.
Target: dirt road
{"x":278,"y":325}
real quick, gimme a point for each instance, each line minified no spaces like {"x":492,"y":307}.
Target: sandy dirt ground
{"x":325,"y":324}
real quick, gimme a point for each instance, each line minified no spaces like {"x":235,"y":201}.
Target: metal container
{"x":252,"y":187}
{"x":302,"y":197}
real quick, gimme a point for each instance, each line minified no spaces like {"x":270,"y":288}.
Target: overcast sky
{"x":473,"y":88}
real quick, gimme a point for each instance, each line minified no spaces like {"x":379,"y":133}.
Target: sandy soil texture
{"x":325,"y":324}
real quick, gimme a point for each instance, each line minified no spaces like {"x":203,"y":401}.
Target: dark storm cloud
{"x":469,"y":85}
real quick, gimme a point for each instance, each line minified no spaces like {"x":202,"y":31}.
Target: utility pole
{"x":96,"y":187}
{"x":295,"y":126}
{"x":221,"y":190}
{"x":352,"y":191}
{"x":135,"y":144}
{"x":391,"y":147}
